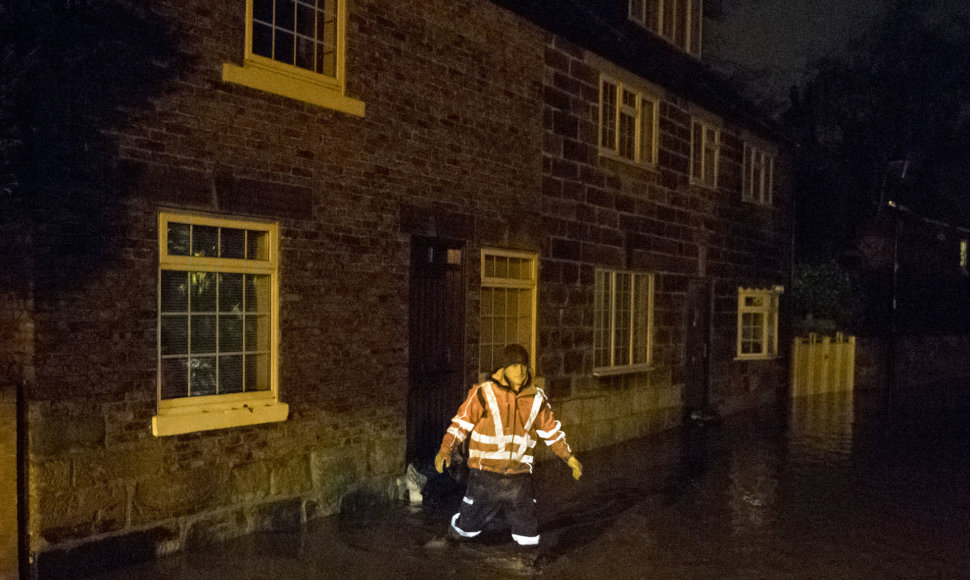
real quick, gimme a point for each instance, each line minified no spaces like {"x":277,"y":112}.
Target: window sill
{"x":611,"y":157}
{"x":179,"y":418}
{"x":613,"y":371}
{"x":756,"y":357}
{"x":268,"y":79}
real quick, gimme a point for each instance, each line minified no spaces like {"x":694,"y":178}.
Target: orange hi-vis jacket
{"x":503,"y":426}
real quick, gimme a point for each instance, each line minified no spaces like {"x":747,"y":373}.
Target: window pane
{"x":230,"y":333}
{"x":601,"y":323}
{"x":257,"y":245}
{"x":696,"y":18}
{"x":230,"y":292}
{"x":327,"y":37}
{"x":203,"y":334}
{"x":175,"y":291}
{"x":257,"y":333}
{"x":669,"y":10}
{"x":284,"y":14}
{"x":646,"y":131}
{"x":233,"y":243}
{"x":680,"y":31}
{"x":501,"y":267}
{"x":202,"y":376}
{"x":304,"y":53}
{"x":628,"y":136}
{"x":262,"y":40}
{"x":636,"y":10}
{"x":653,"y":15}
{"x":203,"y":291}
{"x":205,"y":241}
{"x":231,"y":374}
{"x":257,"y":293}
{"x":175,"y":335}
{"x":608,"y":114}
{"x":263,"y":10}
{"x":174,"y":378}
{"x":697,"y":149}
{"x":179,"y":236}
{"x":283,"y":46}
{"x":621,"y":321}
{"x":257,"y":372}
{"x":305,"y":20}
{"x":640,"y":318}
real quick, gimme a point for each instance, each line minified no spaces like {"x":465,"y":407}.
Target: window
{"x":757,"y":323}
{"x":628,"y":122}
{"x":756,"y":185}
{"x":295,"y":48}
{"x":508,"y":308}
{"x":623,"y":321}
{"x":217,"y":323}
{"x":704,"y":148}
{"x":676,"y":21}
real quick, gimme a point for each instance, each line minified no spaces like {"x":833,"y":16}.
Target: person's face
{"x":516,"y":374}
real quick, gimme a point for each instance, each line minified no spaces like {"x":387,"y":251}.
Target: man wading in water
{"x":505,"y":416}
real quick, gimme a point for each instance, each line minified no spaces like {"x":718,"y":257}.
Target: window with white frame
{"x":705,"y":150}
{"x":508,"y":305}
{"x":679,"y":22}
{"x":628,"y":122}
{"x":756,"y":185}
{"x":296,"y":49}
{"x":757,"y":323}
{"x":623,"y":321}
{"x":217,"y":323}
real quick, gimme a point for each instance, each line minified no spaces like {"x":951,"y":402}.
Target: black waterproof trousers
{"x":492,"y":494}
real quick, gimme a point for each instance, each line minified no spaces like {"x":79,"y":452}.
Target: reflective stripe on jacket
{"x":503,"y":426}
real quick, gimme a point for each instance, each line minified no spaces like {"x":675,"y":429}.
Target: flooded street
{"x":830,"y":488}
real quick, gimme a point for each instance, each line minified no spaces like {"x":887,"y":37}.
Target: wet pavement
{"x":830,"y":488}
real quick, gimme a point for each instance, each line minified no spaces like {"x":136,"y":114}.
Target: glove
{"x":442,"y":460}
{"x":576,"y":466}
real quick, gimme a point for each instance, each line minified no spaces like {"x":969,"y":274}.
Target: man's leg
{"x":521,"y":511}
{"x":478,"y":507}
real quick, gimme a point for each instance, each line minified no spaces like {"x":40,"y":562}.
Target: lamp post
{"x":898,"y":169}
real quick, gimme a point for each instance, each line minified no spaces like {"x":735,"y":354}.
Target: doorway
{"x":437,"y":338}
{"x":696,"y":395}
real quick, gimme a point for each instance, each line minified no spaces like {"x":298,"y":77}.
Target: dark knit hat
{"x":513,"y":354}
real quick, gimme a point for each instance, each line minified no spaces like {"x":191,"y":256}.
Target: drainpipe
{"x":23,"y":495}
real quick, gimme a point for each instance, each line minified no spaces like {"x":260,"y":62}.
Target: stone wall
{"x":600,"y":212}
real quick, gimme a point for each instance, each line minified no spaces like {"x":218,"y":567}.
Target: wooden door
{"x":437,"y":337}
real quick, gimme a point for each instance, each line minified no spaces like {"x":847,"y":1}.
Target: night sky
{"x":781,"y":37}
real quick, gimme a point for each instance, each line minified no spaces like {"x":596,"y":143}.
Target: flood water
{"x":832,"y":487}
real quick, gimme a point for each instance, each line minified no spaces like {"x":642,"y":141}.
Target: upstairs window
{"x":676,"y":21}
{"x":756,"y":186}
{"x":623,"y":321}
{"x":217,"y":323}
{"x":705,"y":150}
{"x":296,"y":48}
{"x":628,"y":122}
{"x":757,"y":323}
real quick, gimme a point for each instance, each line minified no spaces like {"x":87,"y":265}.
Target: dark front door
{"x":437,"y":336}
{"x":697,"y":371}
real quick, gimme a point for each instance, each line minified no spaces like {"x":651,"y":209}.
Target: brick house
{"x":309,"y":229}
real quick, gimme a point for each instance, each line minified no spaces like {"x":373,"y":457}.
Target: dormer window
{"x":676,"y":21}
